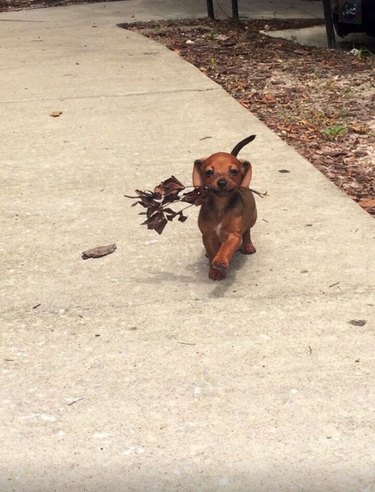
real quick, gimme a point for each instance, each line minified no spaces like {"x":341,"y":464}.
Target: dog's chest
{"x":219,"y":230}
{"x":221,"y":227}
{"x":214,"y":221}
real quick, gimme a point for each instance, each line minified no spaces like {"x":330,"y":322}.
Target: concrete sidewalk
{"x":134,"y":371}
{"x":143,"y":10}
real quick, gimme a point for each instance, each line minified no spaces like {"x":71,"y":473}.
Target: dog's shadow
{"x":198,"y":274}
{"x":221,"y":287}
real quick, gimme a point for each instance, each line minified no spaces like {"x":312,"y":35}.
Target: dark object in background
{"x":211,"y":11}
{"x":354,"y":16}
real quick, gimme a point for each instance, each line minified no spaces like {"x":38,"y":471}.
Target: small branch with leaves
{"x":158,"y":202}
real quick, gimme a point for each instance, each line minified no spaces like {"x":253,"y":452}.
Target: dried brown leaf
{"x":170,"y":185}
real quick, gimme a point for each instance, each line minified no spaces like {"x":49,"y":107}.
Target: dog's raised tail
{"x":242,"y":144}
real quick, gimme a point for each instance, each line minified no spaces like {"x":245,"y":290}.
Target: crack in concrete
{"x":22,"y":20}
{"x":111,"y":96}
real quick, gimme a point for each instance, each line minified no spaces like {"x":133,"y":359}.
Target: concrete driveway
{"x":135,"y":371}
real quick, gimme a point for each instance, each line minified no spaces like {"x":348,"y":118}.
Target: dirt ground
{"x":322,"y":102}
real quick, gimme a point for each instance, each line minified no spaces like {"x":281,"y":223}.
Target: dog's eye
{"x":233,"y":172}
{"x":209,"y":173}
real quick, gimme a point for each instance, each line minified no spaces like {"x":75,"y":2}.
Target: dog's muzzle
{"x":222,"y":184}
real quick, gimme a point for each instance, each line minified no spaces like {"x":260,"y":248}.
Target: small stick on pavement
{"x":75,"y":401}
{"x":333,"y":285}
{"x":99,"y":251}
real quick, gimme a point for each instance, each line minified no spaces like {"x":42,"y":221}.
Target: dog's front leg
{"x":226,"y":251}
{"x":212,"y":245}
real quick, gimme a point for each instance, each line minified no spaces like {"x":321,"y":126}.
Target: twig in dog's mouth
{"x":262,"y":195}
{"x":158,"y":202}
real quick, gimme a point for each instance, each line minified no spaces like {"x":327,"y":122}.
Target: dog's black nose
{"x":222,"y":183}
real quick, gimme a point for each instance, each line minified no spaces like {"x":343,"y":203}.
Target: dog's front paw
{"x":248,"y":249}
{"x":219,"y":263}
{"x":214,"y":274}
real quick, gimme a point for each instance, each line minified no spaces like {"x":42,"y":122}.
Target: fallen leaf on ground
{"x":368,"y":204}
{"x":99,"y":251}
{"x":357,"y":322}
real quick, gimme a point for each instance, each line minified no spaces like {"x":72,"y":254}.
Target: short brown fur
{"x":226,"y":217}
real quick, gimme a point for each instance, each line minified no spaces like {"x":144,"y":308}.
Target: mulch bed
{"x":322,"y":102}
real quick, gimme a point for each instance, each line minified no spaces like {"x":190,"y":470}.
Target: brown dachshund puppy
{"x":228,"y":214}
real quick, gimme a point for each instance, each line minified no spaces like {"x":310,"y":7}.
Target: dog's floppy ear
{"x":197,"y":172}
{"x":246,"y":172}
